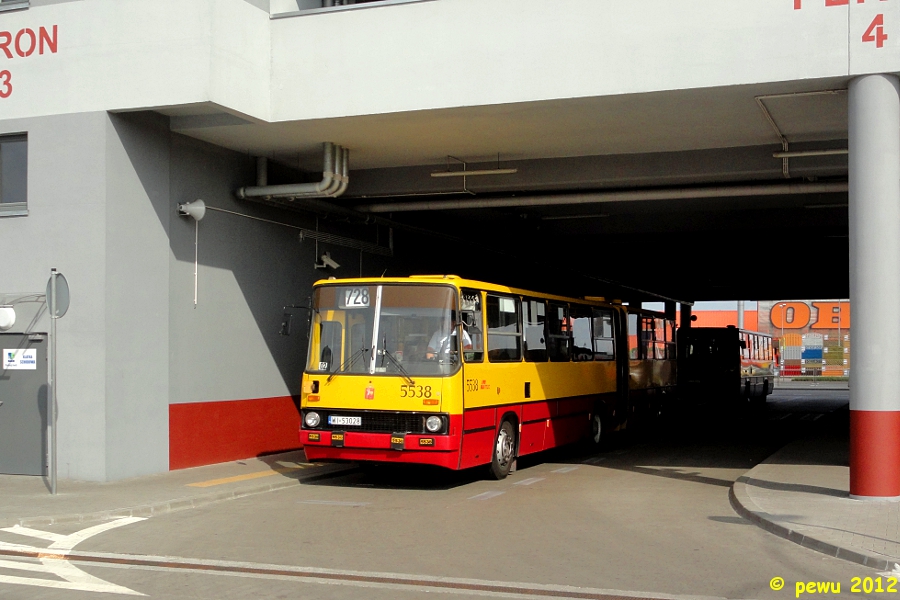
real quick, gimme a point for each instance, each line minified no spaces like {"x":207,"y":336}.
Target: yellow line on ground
{"x":245,"y":477}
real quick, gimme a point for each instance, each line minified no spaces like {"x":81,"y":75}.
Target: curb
{"x":170,"y":506}
{"x":744,"y":506}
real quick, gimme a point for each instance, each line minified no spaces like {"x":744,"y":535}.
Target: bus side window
{"x":504,"y":337}
{"x":648,"y":337}
{"x":604,"y":339}
{"x":559,"y":332}
{"x":671,"y":346}
{"x":330,"y":342}
{"x":534,"y":315}
{"x":659,"y":345}
{"x":580,"y":317}
{"x":633,"y":337}
{"x":473,"y":324}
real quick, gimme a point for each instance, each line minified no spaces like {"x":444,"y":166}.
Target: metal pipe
{"x":331,"y":170}
{"x":344,"y":175}
{"x":327,"y":186}
{"x":262,"y":171}
{"x":601,"y":197}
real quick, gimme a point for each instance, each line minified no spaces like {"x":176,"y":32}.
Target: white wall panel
{"x":470,"y":52}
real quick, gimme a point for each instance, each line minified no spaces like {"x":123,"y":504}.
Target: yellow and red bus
{"x":458,"y":373}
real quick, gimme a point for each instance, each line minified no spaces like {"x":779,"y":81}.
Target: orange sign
{"x":796,"y":315}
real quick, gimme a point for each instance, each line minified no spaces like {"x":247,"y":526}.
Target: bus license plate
{"x":338,"y":420}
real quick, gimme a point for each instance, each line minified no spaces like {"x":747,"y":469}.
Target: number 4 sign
{"x":875,"y":32}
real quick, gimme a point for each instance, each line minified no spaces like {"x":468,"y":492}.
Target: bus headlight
{"x":313,"y":419}
{"x":434,"y":424}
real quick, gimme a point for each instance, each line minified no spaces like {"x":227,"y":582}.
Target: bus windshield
{"x":413,"y":329}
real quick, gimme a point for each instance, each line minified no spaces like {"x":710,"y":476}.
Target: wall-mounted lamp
{"x":7,"y":317}
{"x":327,"y":262}
{"x":196,"y":210}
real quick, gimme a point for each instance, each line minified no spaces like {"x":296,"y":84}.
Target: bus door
{"x":472,"y":318}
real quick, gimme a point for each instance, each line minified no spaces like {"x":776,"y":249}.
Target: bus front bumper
{"x":415,"y":448}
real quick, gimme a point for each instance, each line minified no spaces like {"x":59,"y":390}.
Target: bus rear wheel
{"x":504,"y":452}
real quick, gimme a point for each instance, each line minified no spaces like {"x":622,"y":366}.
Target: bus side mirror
{"x":468,"y":319}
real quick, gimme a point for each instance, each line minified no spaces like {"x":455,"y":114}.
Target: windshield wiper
{"x":386,"y":352}
{"x":347,"y":363}
{"x":399,"y":367}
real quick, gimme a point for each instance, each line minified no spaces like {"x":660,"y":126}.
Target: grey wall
{"x":228,"y":347}
{"x":66,"y":228}
{"x":137,"y":295}
{"x":103,"y":190}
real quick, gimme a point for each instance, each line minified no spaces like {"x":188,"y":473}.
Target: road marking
{"x":73,"y":539}
{"x":595,"y":460}
{"x":334,"y":502}
{"x":487,"y":495}
{"x":44,"y":535}
{"x":529,"y":481}
{"x":245,"y":477}
{"x":363,"y":579}
{"x":564,"y":470}
{"x":56,"y":562}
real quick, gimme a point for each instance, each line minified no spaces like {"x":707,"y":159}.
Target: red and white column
{"x":874,"y":119}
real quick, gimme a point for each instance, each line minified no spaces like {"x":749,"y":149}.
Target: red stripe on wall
{"x":875,"y":453}
{"x":204,"y":433}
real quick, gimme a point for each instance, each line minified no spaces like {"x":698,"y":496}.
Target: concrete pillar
{"x":874,"y":118}
{"x":740,"y":319}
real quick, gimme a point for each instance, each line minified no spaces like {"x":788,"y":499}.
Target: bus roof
{"x":461,"y":282}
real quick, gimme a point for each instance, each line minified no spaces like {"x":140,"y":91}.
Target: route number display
{"x":356,"y":297}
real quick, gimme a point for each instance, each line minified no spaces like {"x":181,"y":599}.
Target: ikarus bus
{"x":458,"y":373}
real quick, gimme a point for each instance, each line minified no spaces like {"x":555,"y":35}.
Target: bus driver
{"x":443,"y":343}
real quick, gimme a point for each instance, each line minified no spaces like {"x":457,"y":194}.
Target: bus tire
{"x":504,"y":452}
{"x":598,"y":436}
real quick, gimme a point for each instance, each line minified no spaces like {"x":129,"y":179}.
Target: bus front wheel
{"x":504,"y":452}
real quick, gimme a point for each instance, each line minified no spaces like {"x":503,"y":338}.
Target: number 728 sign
{"x":874,"y":33}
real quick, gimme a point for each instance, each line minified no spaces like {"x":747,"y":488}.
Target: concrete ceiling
{"x":672,"y":121}
{"x":715,"y":248}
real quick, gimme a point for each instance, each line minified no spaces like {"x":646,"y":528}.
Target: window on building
{"x":13,"y":175}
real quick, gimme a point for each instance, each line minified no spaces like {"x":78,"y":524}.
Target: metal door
{"x":23,"y":405}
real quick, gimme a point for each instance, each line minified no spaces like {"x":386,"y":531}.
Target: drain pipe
{"x":335,"y":178}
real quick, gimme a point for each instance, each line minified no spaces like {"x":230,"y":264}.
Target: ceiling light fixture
{"x":568,"y":217}
{"x":474,"y":173}
{"x":805,"y":153}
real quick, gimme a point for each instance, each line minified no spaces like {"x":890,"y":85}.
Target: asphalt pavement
{"x":652,"y":517}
